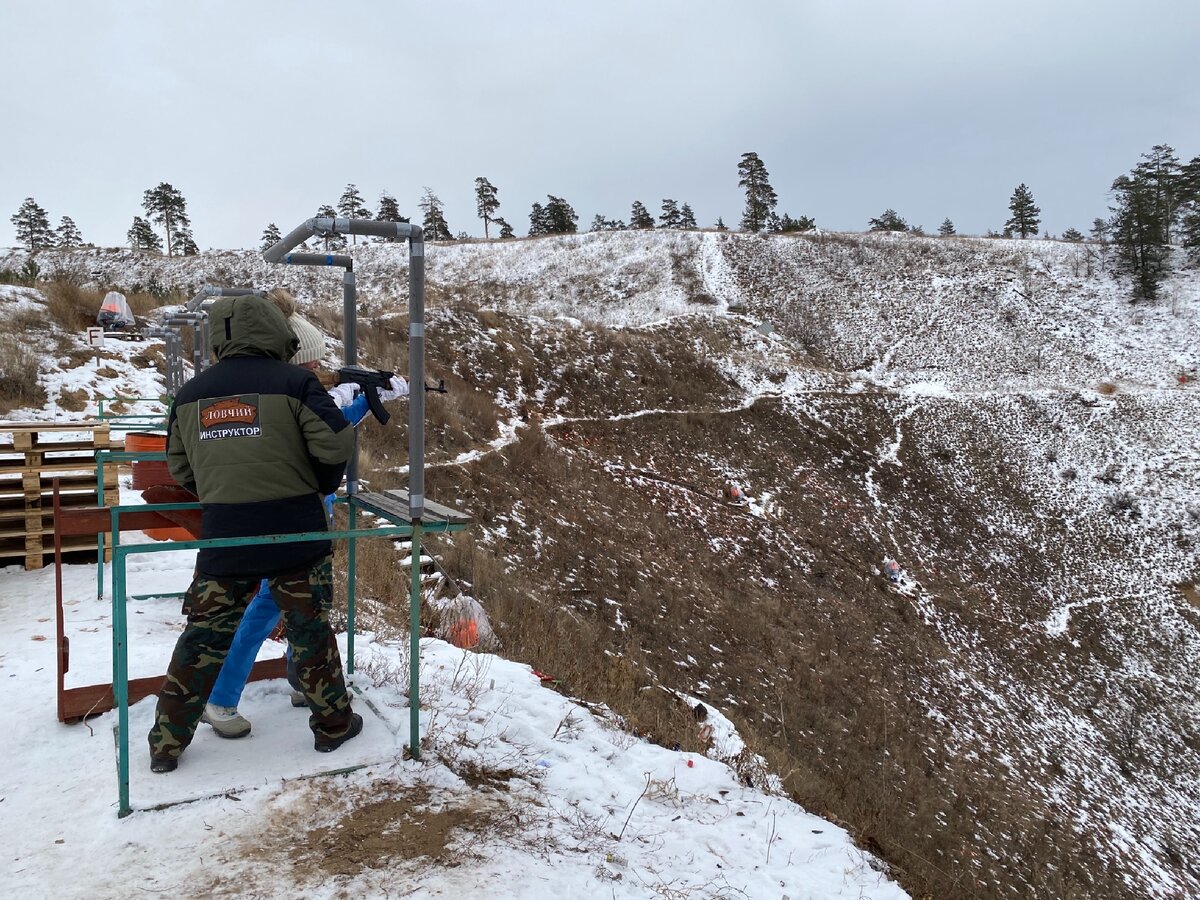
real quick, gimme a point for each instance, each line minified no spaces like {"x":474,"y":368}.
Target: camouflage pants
{"x":214,"y":607}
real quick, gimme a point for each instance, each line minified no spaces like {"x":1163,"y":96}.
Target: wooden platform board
{"x":394,"y":505}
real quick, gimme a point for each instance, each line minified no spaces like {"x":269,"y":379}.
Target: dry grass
{"x":19,"y":387}
{"x":74,"y":308}
{"x":74,"y":401}
{"x":1107,"y":388}
{"x":20,"y":334}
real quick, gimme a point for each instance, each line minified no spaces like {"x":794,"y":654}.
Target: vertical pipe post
{"x":352,"y":512}
{"x":100,"y":536}
{"x":414,"y":647}
{"x":350,"y":317}
{"x":416,"y":473}
{"x":121,"y":669}
{"x":204,"y":354}
{"x":350,"y":353}
{"x":416,"y":378}
{"x":197,"y":347}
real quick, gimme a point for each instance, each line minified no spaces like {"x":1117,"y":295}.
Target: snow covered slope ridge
{"x":1018,"y":715}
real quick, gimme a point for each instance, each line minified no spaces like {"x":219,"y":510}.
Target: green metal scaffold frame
{"x":411,"y":530}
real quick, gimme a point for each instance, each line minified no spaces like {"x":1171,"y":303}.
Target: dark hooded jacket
{"x":259,"y":441}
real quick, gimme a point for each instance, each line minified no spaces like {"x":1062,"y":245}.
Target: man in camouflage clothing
{"x":260,"y":442}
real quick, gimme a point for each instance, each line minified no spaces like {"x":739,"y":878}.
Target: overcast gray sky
{"x":262,"y":110}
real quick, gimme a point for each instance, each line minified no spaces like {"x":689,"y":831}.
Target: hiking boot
{"x":298,"y":699}
{"x":162,"y":764}
{"x":328,"y":744}
{"x":226,"y":721}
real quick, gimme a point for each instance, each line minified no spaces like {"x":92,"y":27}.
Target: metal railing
{"x":120,"y":553}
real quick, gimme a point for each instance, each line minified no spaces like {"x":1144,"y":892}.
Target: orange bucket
{"x":148,"y":473}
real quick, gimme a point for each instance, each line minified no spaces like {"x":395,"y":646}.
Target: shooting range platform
{"x":278,"y":748}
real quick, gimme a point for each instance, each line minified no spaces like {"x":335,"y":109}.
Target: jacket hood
{"x":250,"y":326}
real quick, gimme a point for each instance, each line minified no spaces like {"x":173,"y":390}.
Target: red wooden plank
{"x":93,"y":699}
{"x":96,"y":519}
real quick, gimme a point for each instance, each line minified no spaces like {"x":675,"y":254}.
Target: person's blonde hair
{"x":284,"y":300}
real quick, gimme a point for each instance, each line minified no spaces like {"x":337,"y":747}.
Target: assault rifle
{"x":372,"y":381}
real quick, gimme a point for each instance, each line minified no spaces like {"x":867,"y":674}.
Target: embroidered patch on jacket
{"x":228,"y":417}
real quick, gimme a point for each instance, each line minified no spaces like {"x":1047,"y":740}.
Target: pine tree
{"x":271,"y":236}
{"x":687,"y":218}
{"x":1073,"y":236}
{"x":351,"y":206}
{"x":388,"y":210}
{"x":506,"y":230}
{"x":1138,"y":233}
{"x":67,"y":234}
{"x":33,"y":225}
{"x":1099,"y":231}
{"x":165,"y":205}
{"x":142,"y":237}
{"x":1189,"y":207}
{"x":560,"y":217}
{"x":639,"y":216}
{"x":721,"y":226}
{"x":760,"y":196}
{"x":538,"y":223}
{"x":1026,"y":216}
{"x":888,"y":220}
{"x":332,"y":240}
{"x":1160,"y":170}
{"x":185,"y":244}
{"x":486,"y":202}
{"x":670,"y":214}
{"x":788,"y":224}
{"x":434,"y":222}
{"x":603,"y":223}
{"x":946,"y":229}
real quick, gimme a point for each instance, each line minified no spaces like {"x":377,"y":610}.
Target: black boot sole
{"x":328,"y":745}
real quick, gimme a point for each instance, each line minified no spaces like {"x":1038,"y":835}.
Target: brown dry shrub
{"x":74,"y":308}
{"x":142,"y":304}
{"x":1107,"y":388}
{"x":73,"y":401}
{"x":328,"y":319}
{"x":19,"y":376}
{"x":152,"y":357}
{"x":573,"y":652}
{"x":19,"y":333}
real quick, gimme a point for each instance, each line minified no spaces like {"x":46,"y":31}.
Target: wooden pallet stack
{"x":35,"y":455}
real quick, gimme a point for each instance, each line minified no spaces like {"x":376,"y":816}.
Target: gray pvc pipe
{"x":293,"y":238}
{"x":279,"y":252}
{"x":330,"y":225}
{"x":211,"y":291}
{"x":350,"y":358}
{"x":198,"y":322}
{"x":416,"y":374}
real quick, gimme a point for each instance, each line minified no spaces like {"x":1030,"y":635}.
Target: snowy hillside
{"x":1020,"y":713}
